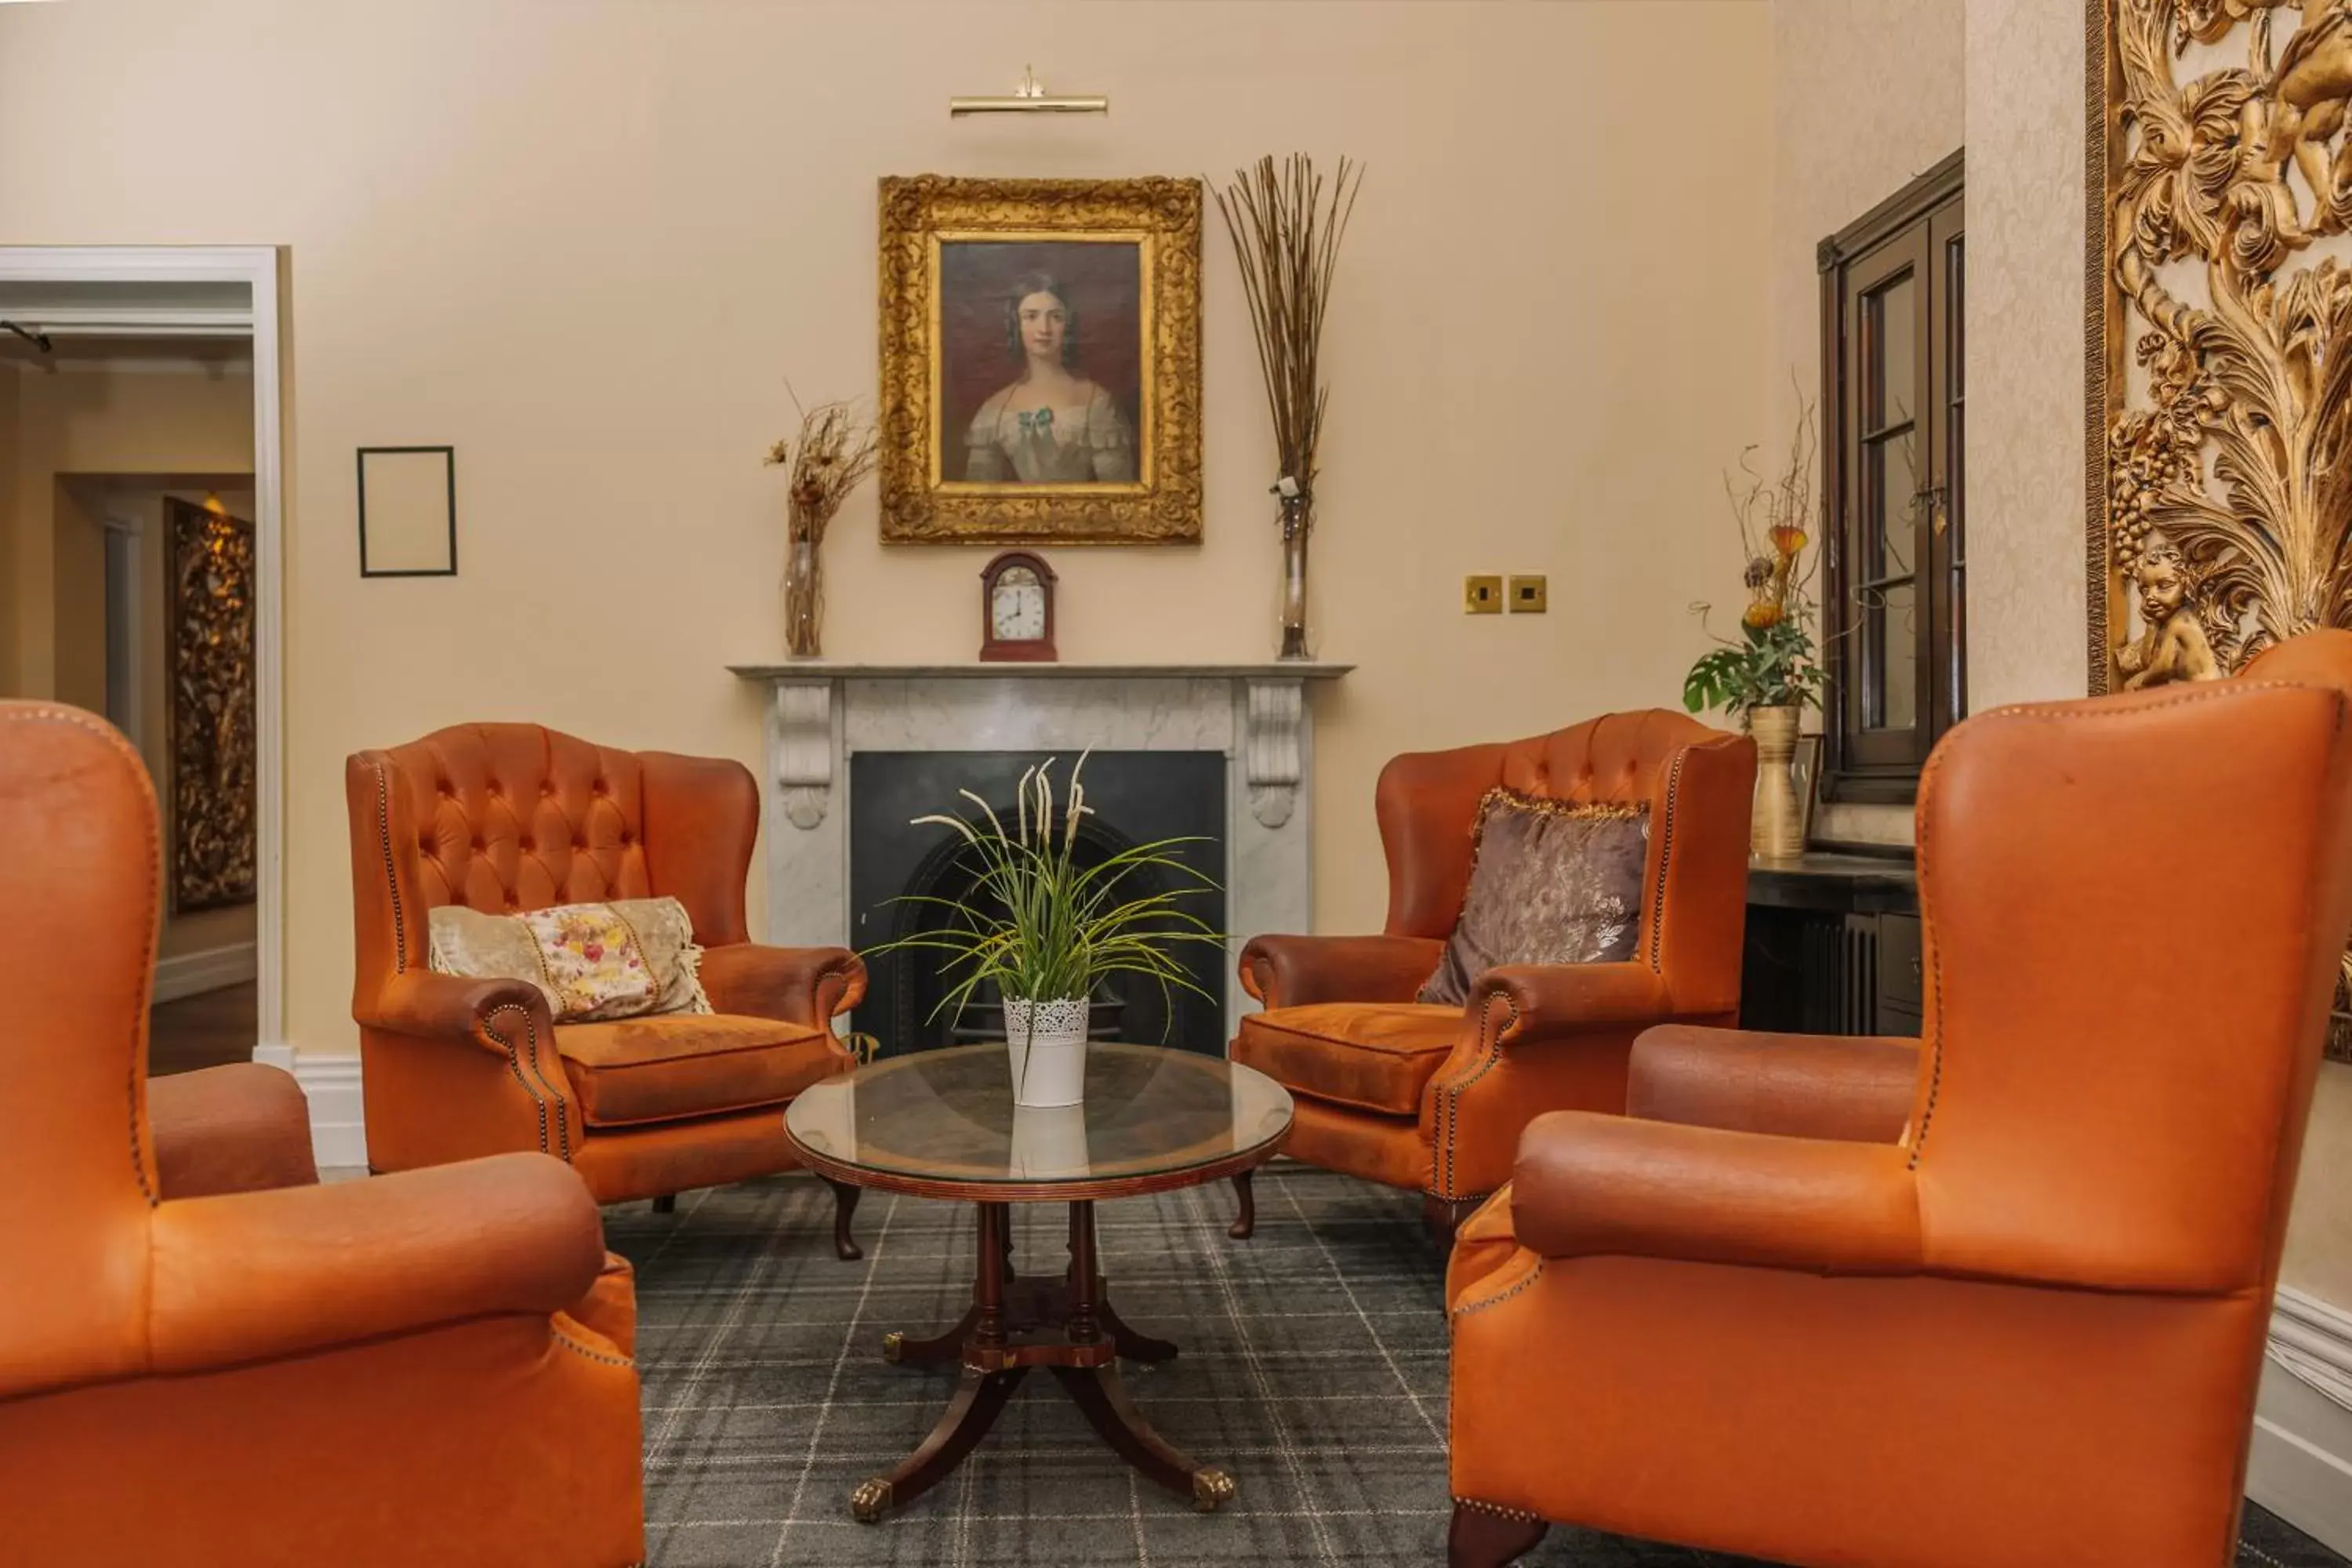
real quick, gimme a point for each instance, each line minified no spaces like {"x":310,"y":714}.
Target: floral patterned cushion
{"x":1550,"y":883}
{"x":593,"y":962}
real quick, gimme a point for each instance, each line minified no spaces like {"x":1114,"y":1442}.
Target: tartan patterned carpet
{"x":1313,"y":1368}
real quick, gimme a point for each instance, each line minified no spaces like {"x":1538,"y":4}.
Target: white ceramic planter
{"x":1048,"y":1042}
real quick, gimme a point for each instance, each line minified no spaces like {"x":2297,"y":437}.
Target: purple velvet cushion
{"x":1550,"y":883}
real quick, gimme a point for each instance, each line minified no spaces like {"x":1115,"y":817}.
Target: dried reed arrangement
{"x":1286,"y":223}
{"x":834,"y":452}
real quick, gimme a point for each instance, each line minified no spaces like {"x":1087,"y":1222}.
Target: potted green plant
{"x":1766,"y":675}
{"x":1044,"y":927}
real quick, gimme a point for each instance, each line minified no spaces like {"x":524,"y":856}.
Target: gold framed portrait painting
{"x":1041,"y":361}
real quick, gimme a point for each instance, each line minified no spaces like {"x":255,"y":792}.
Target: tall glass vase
{"x":1297,"y":518}
{"x":803,"y":597}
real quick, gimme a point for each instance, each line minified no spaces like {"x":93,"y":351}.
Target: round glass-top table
{"x":942,"y":1124}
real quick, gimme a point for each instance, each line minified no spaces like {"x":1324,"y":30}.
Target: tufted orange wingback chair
{"x":1431,"y":1098}
{"x":2027,"y":1331}
{"x":423,"y":1368}
{"x":504,"y":817}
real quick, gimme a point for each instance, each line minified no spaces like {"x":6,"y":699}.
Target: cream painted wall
{"x":1867,"y":95}
{"x":589,"y":254}
{"x":139,"y":418}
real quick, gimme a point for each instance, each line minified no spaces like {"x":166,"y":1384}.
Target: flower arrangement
{"x":835,"y":449}
{"x":1044,"y":929}
{"x":1774,"y":662}
{"x":1286,"y":239}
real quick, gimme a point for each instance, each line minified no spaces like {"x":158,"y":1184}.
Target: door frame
{"x":261,"y":268}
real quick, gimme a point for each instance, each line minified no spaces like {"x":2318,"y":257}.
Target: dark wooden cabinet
{"x":1833,"y":947}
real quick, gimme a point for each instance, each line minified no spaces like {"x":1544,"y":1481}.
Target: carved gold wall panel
{"x":214,"y":775}
{"x":2220,"y":334}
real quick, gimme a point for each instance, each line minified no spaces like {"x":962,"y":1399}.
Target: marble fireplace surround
{"x":1256,"y":716}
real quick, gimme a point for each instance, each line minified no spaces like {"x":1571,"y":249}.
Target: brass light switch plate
{"x":1527,"y":593}
{"x":1483,"y":595}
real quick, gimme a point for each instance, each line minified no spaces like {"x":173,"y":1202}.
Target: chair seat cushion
{"x":1375,"y":1056}
{"x":659,"y":1068}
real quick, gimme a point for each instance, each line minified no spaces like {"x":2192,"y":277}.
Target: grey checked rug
{"x":1313,"y":1368}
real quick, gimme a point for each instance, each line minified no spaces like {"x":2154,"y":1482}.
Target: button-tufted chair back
{"x":512,"y":817}
{"x":508,"y":817}
{"x":1695,"y":781}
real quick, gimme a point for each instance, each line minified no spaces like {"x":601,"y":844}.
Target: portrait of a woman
{"x":1041,"y":360}
{"x":1051,"y":424}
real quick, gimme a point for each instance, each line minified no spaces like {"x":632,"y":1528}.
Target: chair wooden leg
{"x":1244,"y":1224}
{"x":1484,"y":1538}
{"x":665,"y":1203}
{"x":1442,"y":1217}
{"x":845,"y":1203}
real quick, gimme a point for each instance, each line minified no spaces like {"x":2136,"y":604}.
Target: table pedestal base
{"x":1065,"y":1325}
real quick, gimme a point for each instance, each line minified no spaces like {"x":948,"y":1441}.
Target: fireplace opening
{"x":1132,"y":798}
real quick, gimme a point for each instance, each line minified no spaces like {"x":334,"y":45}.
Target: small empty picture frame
{"x":408,"y":511}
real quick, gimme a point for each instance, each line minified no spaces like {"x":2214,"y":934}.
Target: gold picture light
{"x":1031,"y":98}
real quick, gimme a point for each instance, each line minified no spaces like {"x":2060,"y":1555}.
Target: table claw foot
{"x":871,"y":1500}
{"x":1212,"y":1489}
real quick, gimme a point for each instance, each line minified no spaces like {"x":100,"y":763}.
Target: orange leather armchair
{"x":504,"y":817}
{"x":425,"y":1368}
{"x":2027,"y":1329}
{"x":1432,"y":1099}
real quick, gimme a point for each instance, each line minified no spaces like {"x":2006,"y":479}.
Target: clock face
{"x":1016,"y":607}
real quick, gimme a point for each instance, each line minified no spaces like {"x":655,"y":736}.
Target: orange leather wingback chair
{"x":423,"y":1368}
{"x":1432,"y":1099}
{"x":504,"y":817}
{"x":2027,"y":1331}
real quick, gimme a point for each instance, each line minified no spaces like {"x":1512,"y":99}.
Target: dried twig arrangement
{"x":1773,"y":516}
{"x":1286,"y":237}
{"x":836,"y":449}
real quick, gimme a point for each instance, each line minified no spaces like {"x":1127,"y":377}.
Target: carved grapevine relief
{"x":2221,"y":371}
{"x":2229,"y":188}
{"x":215,"y":789}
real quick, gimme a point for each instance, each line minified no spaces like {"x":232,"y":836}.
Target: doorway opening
{"x":140,"y":542}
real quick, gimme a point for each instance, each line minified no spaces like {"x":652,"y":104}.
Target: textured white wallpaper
{"x":2025,"y":454}
{"x":1867,"y":95}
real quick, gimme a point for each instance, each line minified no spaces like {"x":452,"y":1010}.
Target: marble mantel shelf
{"x":822,"y":712}
{"x":848,"y":669}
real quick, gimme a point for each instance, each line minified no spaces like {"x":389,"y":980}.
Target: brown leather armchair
{"x":1432,"y":1099}
{"x":423,"y":1368}
{"x":504,"y":817}
{"x":1998,"y":1297}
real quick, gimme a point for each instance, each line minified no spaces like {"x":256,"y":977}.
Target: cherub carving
{"x":2314,"y":85}
{"x":2173,"y":645}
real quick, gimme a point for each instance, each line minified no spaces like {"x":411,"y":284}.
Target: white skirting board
{"x":2300,"y":1467}
{"x":192,"y":974}
{"x":338,"y":1133}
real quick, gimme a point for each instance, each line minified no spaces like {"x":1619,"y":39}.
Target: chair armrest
{"x":252,"y":1276}
{"x":1801,"y":1085}
{"x":243,"y":1128}
{"x":1587,"y":1185}
{"x":807,"y":985}
{"x":426,"y":1004}
{"x":1296,"y":971}
{"x":1549,"y":1000}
